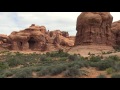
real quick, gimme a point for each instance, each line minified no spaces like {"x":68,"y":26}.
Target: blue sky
{"x":65,"y":21}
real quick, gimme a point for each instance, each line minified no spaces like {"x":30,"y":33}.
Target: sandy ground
{"x":92,"y":49}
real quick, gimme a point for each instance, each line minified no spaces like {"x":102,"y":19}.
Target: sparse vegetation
{"x":115,"y":75}
{"x":110,"y":71}
{"x":72,"y":72}
{"x":101,"y":76}
{"x":18,"y":65}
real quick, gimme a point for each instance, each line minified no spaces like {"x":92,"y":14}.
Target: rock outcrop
{"x":94,"y":28}
{"x":36,"y":38}
{"x":116,"y":32}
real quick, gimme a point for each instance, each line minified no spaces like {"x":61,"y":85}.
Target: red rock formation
{"x":36,"y":38}
{"x":65,"y":34}
{"x":116,"y":32}
{"x":93,"y":28}
{"x":5,"y":41}
{"x":30,"y":38}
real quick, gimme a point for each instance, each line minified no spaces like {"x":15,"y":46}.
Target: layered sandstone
{"x":94,"y":28}
{"x":36,"y":38}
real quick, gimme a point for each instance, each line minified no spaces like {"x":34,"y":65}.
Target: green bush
{"x":7,"y":73}
{"x":101,"y":76}
{"x":110,"y":70}
{"x":43,"y":57}
{"x":3,"y":65}
{"x":23,"y":73}
{"x":115,"y":58}
{"x":116,"y":67}
{"x":52,"y":70}
{"x":95,"y":58}
{"x":115,"y":75}
{"x":63,"y":58}
{"x":73,"y":57}
{"x":43,"y":71}
{"x":72,"y":72}
{"x":104,"y":64}
{"x":14,"y":62}
{"x":59,"y":53}
{"x":57,"y":70}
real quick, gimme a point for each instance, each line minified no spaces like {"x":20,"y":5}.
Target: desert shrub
{"x":43,"y":57}
{"x":115,"y":58}
{"x":1,"y":76}
{"x":43,"y":71}
{"x":101,"y":76}
{"x":7,"y":73}
{"x":23,"y":73}
{"x":3,"y":65}
{"x":18,"y":54}
{"x":59,"y":53}
{"x":73,"y":57}
{"x":52,"y":70}
{"x":116,"y":67}
{"x":95,"y":58}
{"x":110,"y":70}
{"x":57,"y":70}
{"x":4,"y":52}
{"x":53,"y":54}
{"x":115,"y":75}
{"x":78,"y":63}
{"x":14,"y":62}
{"x":49,"y":59}
{"x":72,"y":72}
{"x":104,"y":64}
{"x":63,"y":58}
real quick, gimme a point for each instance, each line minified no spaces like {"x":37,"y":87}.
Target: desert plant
{"x":7,"y":73}
{"x":15,"y":62}
{"x":72,"y":72}
{"x":115,"y":58}
{"x":116,"y":67}
{"x":73,"y":57}
{"x":23,"y":73}
{"x":63,"y":58}
{"x":115,"y":75}
{"x":110,"y":70}
{"x":43,"y":71}
{"x":57,"y":69}
{"x":95,"y":58}
{"x":104,"y":64}
{"x":3,"y":65}
{"x":42,"y":57}
{"x":101,"y":76}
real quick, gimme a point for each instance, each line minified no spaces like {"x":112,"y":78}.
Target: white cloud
{"x":66,"y":21}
